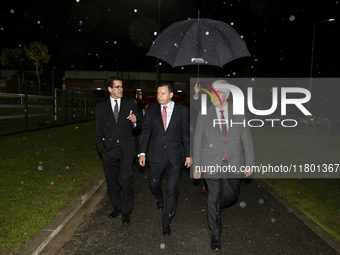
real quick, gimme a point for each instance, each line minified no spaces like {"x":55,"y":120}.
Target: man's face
{"x":223,"y":95}
{"x":163,"y":95}
{"x":117,"y":90}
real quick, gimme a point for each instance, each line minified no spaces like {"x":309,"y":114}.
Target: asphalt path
{"x":263,"y":226}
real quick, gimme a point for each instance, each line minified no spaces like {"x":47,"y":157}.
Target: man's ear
{"x":171,"y":94}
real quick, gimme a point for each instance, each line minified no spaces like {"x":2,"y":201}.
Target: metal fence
{"x":26,"y":112}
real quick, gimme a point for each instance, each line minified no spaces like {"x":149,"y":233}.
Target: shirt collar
{"x":169,"y":105}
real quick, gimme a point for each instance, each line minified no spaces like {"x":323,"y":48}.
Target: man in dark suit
{"x":116,"y":117}
{"x":165,"y":142}
{"x":224,"y":153}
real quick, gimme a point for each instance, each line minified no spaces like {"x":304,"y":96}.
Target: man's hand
{"x":196,"y":89}
{"x":141,"y":160}
{"x":132,"y":117}
{"x":248,"y":172}
{"x":197,"y":174}
{"x":188,"y":161}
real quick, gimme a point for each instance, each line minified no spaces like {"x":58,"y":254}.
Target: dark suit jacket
{"x":176,"y":138}
{"x":108,"y":131}
{"x":210,"y":143}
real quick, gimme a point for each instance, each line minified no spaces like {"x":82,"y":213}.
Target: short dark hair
{"x":167,"y":84}
{"x":109,"y":81}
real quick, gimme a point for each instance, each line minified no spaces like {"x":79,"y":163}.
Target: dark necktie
{"x":115,"y":112}
{"x":224,"y":132}
{"x":164,"y":117}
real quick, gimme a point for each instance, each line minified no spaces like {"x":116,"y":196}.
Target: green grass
{"x":317,"y":198}
{"x":29,"y":197}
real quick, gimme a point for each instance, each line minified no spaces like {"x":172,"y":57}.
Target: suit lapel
{"x":121,"y":110}
{"x":211,"y":114}
{"x":158,"y":115}
{"x":109,"y":109}
{"x":173,"y":115}
{"x":231,"y":128}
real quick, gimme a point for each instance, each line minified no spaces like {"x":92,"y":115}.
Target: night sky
{"x":107,"y":35}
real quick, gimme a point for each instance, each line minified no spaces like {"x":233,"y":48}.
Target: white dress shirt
{"x":113,"y":103}
{"x":225,"y":113}
{"x":169,"y":109}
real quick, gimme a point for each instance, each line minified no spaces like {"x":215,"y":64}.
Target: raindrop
{"x":241,"y":36}
{"x":2,"y":28}
{"x":80,"y":22}
{"x":12,"y":11}
{"x":162,"y":246}
{"x":67,"y":167}
{"x":40,"y":162}
{"x":135,"y":10}
{"x":261,"y":201}
{"x":155,"y":33}
{"x":40,"y":168}
{"x":160,"y":63}
{"x":243,"y":204}
{"x":234,"y":73}
{"x":292,"y":18}
{"x":115,"y":42}
{"x":22,"y":182}
{"x":207,"y":33}
{"x":273,"y":220}
{"x":38,"y":21}
{"x":52,"y":183}
{"x":232,"y":23}
{"x":182,"y":67}
{"x":176,"y":45}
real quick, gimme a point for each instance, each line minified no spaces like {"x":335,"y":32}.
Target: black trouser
{"x":118,"y":173}
{"x":221,"y":193}
{"x":172,"y":185}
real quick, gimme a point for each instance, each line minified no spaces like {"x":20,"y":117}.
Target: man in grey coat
{"x":224,"y":153}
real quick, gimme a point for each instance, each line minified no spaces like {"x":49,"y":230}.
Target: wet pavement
{"x":263,"y":226}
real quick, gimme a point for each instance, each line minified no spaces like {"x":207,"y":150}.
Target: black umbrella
{"x":199,"y":41}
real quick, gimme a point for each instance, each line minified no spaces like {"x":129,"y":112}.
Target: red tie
{"x":224,"y":132}
{"x":164,"y":117}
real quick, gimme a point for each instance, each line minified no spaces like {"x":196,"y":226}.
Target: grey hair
{"x":218,"y":83}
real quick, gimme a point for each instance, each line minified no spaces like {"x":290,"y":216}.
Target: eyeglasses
{"x":118,"y":87}
{"x":221,"y":92}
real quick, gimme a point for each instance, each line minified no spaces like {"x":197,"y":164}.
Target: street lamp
{"x":311,"y":65}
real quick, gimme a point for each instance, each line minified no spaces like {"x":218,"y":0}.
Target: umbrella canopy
{"x":199,"y":41}
{"x":148,"y":99}
{"x":180,"y":99}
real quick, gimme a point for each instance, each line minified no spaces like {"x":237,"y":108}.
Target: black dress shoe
{"x":125,"y":219}
{"x":160,"y":205}
{"x":166,"y":229}
{"x":215,"y":244}
{"x":115,"y":213}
